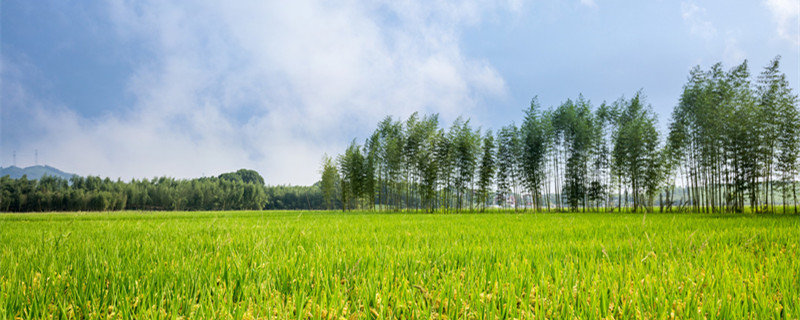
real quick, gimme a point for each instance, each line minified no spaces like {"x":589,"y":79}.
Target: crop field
{"x":315,"y":265}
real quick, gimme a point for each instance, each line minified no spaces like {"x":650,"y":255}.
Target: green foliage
{"x":636,"y":150}
{"x":487,"y":169}
{"x":243,"y":189}
{"x":330,"y":179}
{"x":243,"y":175}
{"x":290,"y":265}
{"x":573,"y":123}
{"x":284,"y":197}
{"x":509,"y":157}
{"x":732,"y":142}
{"x":353,"y":176}
{"x":466,"y":147}
{"x":535,"y":147}
{"x":730,"y":145}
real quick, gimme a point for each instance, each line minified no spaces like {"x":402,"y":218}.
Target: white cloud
{"x":588,"y":3}
{"x":786,"y":15}
{"x":733,"y":53}
{"x":695,"y":17}
{"x":269,"y":85}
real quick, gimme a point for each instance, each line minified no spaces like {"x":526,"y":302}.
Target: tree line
{"x":239,"y":190}
{"x":732,"y":143}
{"x":283,"y":197}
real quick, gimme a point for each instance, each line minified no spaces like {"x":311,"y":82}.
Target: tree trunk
{"x":794,"y":190}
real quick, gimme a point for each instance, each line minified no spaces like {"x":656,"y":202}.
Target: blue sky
{"x":138,"y":89}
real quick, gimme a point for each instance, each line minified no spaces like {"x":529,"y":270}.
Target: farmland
{"x":367,"y":265}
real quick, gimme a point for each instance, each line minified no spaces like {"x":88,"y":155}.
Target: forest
{"x":240,"y":190}
{"x":732,"y":145}
{"x":243,"y":189}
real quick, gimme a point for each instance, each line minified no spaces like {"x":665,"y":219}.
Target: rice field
{"x":316,"y":265}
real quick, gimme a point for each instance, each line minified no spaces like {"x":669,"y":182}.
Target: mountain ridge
{"x":33,"y":172}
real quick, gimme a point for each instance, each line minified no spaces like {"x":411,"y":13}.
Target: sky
{"x":149,"y":88}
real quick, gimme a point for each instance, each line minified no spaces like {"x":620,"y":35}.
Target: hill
{"x":33,"y":172}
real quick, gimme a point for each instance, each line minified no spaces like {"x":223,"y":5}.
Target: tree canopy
{"x":731,"y":143}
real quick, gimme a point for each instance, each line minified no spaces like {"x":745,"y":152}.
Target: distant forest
{"x":240,"y":190}
{"x":733,"y":145}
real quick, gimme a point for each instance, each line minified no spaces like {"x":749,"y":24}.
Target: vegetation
{"x":239,"y":190}
{"x":159,"y":194}
{"x":291,"y":265}
{"x":295,"y":197}
{"x":731,"y":145}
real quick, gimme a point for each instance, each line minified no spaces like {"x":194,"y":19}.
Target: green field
{"x":360,"y":265}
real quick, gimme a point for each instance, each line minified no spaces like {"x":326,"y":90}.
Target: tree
{"x":534,"y":152}
{"x":573,"y":123}
{"x":779,"y":106}
{"x":391,"y":153}
{"x":330,"y":177}
{"x":426,"y":162}
{"x":466,"y":146}
{"x":351,"y":171}
{"x":370,"y":169}
{"x":487,"y":168}
{"x":243,"y":175}
{"x":507,"y":162}
{"x":636,"y":150}
{"x":600,"y":164}
{"x":445,"y":158}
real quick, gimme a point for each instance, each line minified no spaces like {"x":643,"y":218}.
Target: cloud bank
{"x":263,"y":85}
{"x":786,"y":16}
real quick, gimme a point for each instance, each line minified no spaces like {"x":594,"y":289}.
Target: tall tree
{"x":636,"y":150}
{"x":534,"y":152}
{"x":330,"y":177}
{"x":466,"y":147}
{"x":601,"y":156}
{"x":352,"y":176}
{"x":487,"y":169}
{"x":426,"y":163}
{"x":445,"y":158}
{"x":508,"y":163}
{"x":779,"y":107}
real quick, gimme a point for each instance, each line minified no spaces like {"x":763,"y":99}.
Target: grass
{"x":298,"y":265}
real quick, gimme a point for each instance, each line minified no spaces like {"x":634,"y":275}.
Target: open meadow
{"x":300,"y":265}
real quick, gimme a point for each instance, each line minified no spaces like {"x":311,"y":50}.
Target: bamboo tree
{"x":636,"y":149}
{"x":466,"y":144}
{"x":730,"y":145}
{"x":508,"y":164}
{"x":534,"y":152}
{"x":487,"y":168}
{"x":329,"y":181}
{"x":446,"y":165}
{"x":776,"y":98}
{"x":601,"y":131}
{"x":425,"y":160}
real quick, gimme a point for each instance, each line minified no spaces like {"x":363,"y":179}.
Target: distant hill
{"x":33,"y":172}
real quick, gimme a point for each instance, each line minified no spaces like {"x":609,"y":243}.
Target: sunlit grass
{"x":361,"y":265}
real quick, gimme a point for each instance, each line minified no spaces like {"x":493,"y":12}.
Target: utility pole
{"x":36,"y":157}
{"x":15,"y":158}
